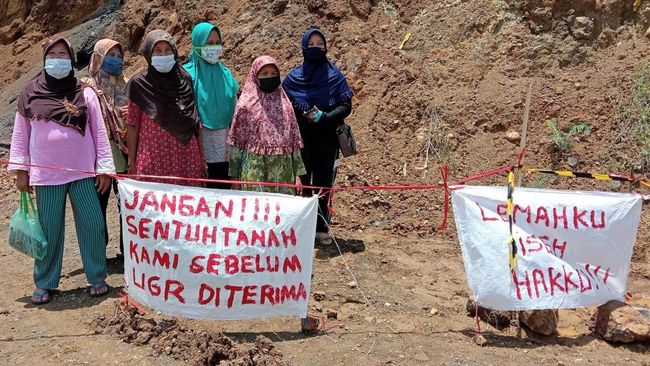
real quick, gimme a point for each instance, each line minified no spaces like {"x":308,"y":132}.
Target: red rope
{"x":444,"y":171}
{"x":521,"y":157}
{"x":128,"y":302}
{"x":270,"y":184}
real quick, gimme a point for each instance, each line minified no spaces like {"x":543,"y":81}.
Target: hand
{"x":299,"y":188}
{"x":312,"y":114}
{"x":122,"y":111}
{"x":102,"y":183}
{"x":235,"y":186}
{"x":22,"y":181}
{"x":204,"y":170}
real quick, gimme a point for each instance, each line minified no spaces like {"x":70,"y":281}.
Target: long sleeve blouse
{"x":48,"y":143}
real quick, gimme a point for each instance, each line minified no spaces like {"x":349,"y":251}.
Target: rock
{"x":618,"y":322}
{"x":540,"y":321}
{"x":352,"y":284}
{"x":498,"y":319}
{"x":12,"y":9}
{"x":582,"y":28}
{"x":319,"y":295}
{"x":613,"y":11}
{"x":11,"y":32}
{"x":513,"y":136}
{"x":361,"y":8}
{"x":615,"y":185}
{"x":433,"y":312}
{"x":315,"y":5}
{"x":471,"y":128}
{"x":278,"y":6}
{"x":318,"y":307}
{"x":420,"y":356}
{"x":332,"y":314}
{"x":573,"y":162}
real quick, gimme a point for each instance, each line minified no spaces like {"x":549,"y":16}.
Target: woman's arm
{"x":19,"y":152}
{"x":134,"y":114}
{"x":104,"y":157}
{"x":339,"y":113}
{"x":204,"y":164}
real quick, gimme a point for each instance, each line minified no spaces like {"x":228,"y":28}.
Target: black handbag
{"x":346,"y":140}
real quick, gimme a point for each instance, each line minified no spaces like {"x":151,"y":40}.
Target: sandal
{"x":310,"y":324}
{"x":98,"y":289}
{"x":323,"y":239}
{"x":41,"y":296}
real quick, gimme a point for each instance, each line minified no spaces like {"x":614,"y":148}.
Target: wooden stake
{"x":524,"y":128}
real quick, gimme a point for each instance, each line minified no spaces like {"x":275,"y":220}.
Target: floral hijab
{"x":264,"y":123}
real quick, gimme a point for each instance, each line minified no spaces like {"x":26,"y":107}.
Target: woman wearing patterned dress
{"x":264,"y":135}
{"x":163,"y":125}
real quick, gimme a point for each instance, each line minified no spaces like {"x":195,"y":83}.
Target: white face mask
{"x":211,"y":54}
{"x":58,"y":67}
{"x":163,"y":64}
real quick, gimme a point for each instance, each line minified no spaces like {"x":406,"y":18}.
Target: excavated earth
{"x":459,"y":83}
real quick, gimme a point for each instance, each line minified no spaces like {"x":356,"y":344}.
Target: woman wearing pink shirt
{"x":59,"y":123}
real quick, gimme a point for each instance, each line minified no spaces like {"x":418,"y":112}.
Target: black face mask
{"x":268,"y":85}
{"x":314,"y":54}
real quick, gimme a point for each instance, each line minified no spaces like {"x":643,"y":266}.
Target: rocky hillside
{"x":456,"y":88}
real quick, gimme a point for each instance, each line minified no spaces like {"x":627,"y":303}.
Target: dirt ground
{"x":404,"y":278}
{"x":472,"y":62}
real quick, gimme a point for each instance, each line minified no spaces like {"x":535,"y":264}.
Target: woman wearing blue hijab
{"x":215,"y":90}
{"x":322,"y":99}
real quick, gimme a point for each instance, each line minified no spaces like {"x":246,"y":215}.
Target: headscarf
{"x":165,"y":97}
{"x":264,"y":123}
{"x":111,"y":90}
{"x":214,"y":86}
{"x":51,"y":99}
{"x":319,"y":84}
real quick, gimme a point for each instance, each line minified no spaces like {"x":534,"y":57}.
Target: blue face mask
{"x":58,"y":68}
{"x":113,"y":65}
{"x":163,"y":64}
{"x":314,"y":54}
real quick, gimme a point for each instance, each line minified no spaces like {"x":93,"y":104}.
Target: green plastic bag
{"x":25,"y":232}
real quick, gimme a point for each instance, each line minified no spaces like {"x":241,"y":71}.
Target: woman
{"x":264,"y":137}
{"x":322,"y":99}
{"x":106,"y":78}
{"x":163,"y":129}
{"x":59,"y":123}
{"x":216,"y":95}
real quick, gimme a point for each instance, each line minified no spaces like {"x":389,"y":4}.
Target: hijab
{"x":57,"y":100}
{"x":316,"y":83}
{"x":214,"y":85}
{"x":167,"y":98}
{"x":264,"y":123}
{"x":111,"y":90}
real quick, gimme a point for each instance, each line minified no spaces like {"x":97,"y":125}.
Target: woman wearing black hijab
{"x":162,"y":120}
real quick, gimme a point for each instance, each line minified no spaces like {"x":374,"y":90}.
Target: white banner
{"x":217,"y":254}
{"x":574,"y":248}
